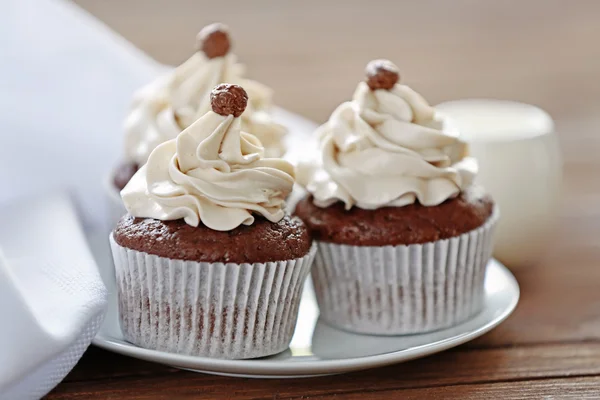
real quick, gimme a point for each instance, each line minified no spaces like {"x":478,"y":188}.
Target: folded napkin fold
{"x":52,"y":299}
{"x":67,"y":81}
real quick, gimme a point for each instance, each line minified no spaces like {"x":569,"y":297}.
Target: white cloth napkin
{"x":52,"y":298}
{"x":66,"y":82}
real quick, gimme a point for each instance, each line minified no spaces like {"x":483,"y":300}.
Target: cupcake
{"x":403,"y":235}
{"x":162,"y":109}
{"x":207,"y":262}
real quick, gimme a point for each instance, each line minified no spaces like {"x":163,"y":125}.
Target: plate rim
{"x":283,"y":368}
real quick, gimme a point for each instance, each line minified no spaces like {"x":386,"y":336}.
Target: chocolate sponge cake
{"x":263,"y":241}
{"x":392,"y":226}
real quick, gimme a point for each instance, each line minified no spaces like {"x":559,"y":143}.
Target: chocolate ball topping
{"x":227,"y":99}
{"x":213,"y":40}
{"x":382,"y":74}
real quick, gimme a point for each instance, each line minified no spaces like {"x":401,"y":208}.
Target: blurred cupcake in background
{"x":207,"y":261}
{"x":163,"y":108}
{"x":403,"y":235}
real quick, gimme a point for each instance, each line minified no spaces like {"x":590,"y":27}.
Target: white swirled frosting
{"x":213,"y":173}
{"x":387,"y":148}
{"x":164,"y":108}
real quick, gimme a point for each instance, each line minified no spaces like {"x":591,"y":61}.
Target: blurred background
{"x":312,"y":53}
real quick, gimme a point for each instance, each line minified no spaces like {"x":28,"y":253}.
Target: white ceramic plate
{"x":318,"y":349}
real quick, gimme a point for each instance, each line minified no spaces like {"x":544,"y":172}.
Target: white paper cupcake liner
{"x":218,"y":310}
{"x":392,"y":290}
{"x":114,"y":204}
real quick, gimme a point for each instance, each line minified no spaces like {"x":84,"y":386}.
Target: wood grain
{"x":313,"y":53}
{"x":574,"y":388}
{"x":461,"y":367}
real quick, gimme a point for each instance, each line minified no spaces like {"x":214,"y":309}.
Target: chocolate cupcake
{"x":403,"y":236}
{"x":162,"y":109}
{"x":207,"y":262}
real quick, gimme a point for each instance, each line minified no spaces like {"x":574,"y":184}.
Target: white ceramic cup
{"x":520,"y":165}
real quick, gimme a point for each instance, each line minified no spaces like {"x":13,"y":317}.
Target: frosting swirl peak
{"x":213,"y":173}
{"x":385,"y":148}
{"x":172,"y":103}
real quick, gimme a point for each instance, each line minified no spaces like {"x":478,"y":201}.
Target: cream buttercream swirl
{"x":387,"y":148}
{"x":213,"y":173}
{"x":150,"y":122}
{"x":162,"y":109}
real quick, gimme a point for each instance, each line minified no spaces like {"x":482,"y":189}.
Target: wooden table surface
{"x":312,"y":53}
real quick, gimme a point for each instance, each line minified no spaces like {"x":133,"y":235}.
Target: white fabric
{"x":52,"y":298}
{"x":60,"y":69}
{"x":66,"y":83}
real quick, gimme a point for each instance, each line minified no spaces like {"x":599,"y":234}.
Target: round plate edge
{"x":280,"y":369}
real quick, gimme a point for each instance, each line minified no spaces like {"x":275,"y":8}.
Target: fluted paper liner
{"x":219,"y":310}
{"x":392,"y":290}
